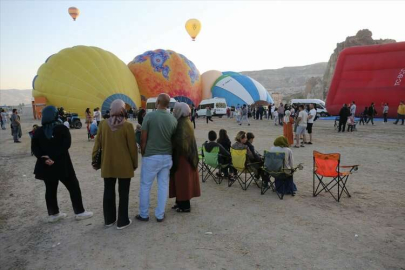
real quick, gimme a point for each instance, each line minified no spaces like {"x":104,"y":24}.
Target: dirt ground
{"x":249,"y":230}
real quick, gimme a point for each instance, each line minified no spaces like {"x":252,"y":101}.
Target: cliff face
{"x":362,"y":38}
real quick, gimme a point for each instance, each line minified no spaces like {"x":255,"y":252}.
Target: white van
{"x":218,"y":107}
{"x":319,"y":105}
{"x":151,"y":104}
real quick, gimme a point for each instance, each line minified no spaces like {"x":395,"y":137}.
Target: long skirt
{"x":289,"y":185}
{"x":185,"y":183}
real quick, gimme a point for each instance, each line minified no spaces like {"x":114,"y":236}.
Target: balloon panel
{"x":84,"y":77}
{"x":207,"y":79}
{"x":367,"y":74}
{"x":165,"y":71}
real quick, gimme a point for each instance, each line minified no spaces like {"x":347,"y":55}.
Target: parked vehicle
{"x":319,"y":105}
{"x":73,"y":119}
{"x":151,"y":104}
{"x":218,"y":107}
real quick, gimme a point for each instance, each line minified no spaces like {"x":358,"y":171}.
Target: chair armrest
{"x":353,"y":167}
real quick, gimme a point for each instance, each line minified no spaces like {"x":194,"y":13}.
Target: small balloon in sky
{"x":193,"y":27}
{"x":74,"y":12}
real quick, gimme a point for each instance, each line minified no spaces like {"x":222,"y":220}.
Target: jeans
{"x":109,"y":207}
{"x":400,"y":116}
{"x":193,"y":120}
{"x":370,"y":118}
{"x":385,"y":117}
{"x":244,"y":119}
{"x":152,"y":167}
{"x":208,"y":118}
{"x":15,"y":133}
{"x":280,"y":119}
{"x":72,"y":185}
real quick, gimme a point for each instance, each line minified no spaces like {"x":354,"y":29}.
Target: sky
{"x":235,"y":36}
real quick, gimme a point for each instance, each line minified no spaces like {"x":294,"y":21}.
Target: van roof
{"x":153,"y":99}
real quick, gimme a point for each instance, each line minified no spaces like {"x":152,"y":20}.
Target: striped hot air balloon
{"x":240,"y":89}
{"x":74,"y":12}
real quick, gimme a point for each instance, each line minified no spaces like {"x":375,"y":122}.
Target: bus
{"x":151,"y":104}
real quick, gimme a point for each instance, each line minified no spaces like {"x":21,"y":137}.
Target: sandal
{"x":180,"y":210}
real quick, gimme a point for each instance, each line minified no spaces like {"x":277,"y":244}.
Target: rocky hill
{"x":362,"y":38}
{"x":13,"y":97}
{"x":291,"y":81}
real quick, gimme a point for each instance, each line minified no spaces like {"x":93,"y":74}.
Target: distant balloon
{"x":193,"y":27}
{"x":74,"y":12}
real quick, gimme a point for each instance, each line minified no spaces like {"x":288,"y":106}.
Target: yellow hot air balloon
{"x":74,"y":12}
{"x":85,"y":77}
{"x":193,"y":27}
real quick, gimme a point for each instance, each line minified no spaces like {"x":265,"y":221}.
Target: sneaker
{"x":84,"y":215}
{"x":161,"y":219}
{"x":123,"y":227}
{"x":56,"y":218}
{"x":110,"y":225}
{"x":138,"y":217}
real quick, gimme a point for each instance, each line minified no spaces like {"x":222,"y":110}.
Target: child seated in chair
{"x":224,"y":156}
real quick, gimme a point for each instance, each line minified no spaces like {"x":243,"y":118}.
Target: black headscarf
{"x":50,"y":119}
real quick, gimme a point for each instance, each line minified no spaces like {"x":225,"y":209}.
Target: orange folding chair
{"x":328,"y":166}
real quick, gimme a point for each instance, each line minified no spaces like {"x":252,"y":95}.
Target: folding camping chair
{"x":201,"y":167}
{"x":240,"y":164}
{"x":274,"y":165}
{"x":328,"y":166}
{"x":211,"y":164}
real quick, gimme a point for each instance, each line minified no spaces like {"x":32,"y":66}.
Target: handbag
{"x":97,"y":160}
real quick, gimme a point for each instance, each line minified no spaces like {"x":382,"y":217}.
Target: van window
{"x":204,"y":106}
{"x":221,"y":105}
{"x":319,"y":106}
{"x":151,"y":106}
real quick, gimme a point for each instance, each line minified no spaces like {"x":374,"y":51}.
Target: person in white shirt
{"x":353,"y":109}
{"x":97,"y":115}
{"x":275,"y":114}
{"x":302,"y":121}
{"x":311,"y":118}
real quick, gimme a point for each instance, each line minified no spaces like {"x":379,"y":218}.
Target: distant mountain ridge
{"x":13,"y":97}
{"x":300,"y":81}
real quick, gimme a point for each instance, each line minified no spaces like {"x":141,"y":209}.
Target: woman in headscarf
{"x":282,"y":145}
{"x":50,"y":145}
{"x":288,"y":127}
{"x":119,"y":159}
{"x":184,"y":178}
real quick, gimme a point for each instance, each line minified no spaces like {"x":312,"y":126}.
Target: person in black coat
{"x":343,"y":115}
{"x":50,"y":145}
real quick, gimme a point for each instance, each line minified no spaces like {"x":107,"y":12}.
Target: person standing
{"x":209,"y":114}
{"x":385,"y":112}
{"x":141,"y":115}
{"x":238,"y":113}
{"x":156,"y":147}
{"x":50,"y":145}
{"x":119,"y":160}
{"x":400,"y":112}
{"x":131,"y":114}
{"x":3,"y":119}
{"x":88,"y":118}
{"x":311,"y":118}
{"x":302,"y":121}
{"x":280,"y":114}
{"x":97,"y":115}
{"x":193,"y":113}
{"x":371,"y":113}
{"x":228,"y":112}
{"x":184,"y":177}
{"x":16,"y":126}
{"x":244,"y":115}
{"x":343,"y":115}
{"x":288,"y":127}
{"x":353,"y":109}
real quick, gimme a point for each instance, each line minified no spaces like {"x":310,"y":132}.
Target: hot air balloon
{"x":85,"y":77}
{"x":193,"y":27}
{"x":169,"y":72}
{"x":74,"y":12}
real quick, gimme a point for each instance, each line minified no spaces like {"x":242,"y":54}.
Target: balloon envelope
{"x":208,"y":78}
{"x":85,"y":77}
{"x":367,"y":74}
{"x":74,"y":12}
{"x":193,"y":27}
{"x":165,"y":71}
{"x":239,"y":89}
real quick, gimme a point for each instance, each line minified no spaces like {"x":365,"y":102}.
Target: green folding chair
{"x":212,"y":165}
